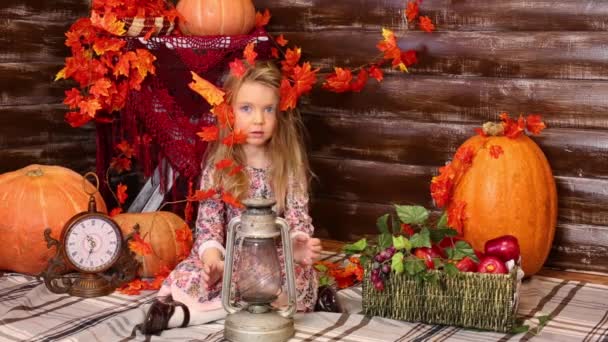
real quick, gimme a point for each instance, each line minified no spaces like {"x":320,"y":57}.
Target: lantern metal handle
{"x":289,"y":270}
{"x":228,"y":268}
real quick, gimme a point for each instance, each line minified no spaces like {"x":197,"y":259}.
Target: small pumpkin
{"x":216,"y":17}
{"x":32,"y":199}
{"x":167,"y":234}
{"x":508,"y":189}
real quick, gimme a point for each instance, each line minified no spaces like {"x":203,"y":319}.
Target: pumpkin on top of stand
{"x":216,"y":17}
{"x":500,"y":183}
{"x":32,"y":199}
{"x":166,"y":236}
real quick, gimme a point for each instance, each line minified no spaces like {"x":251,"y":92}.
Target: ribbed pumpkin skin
{"x":512,"y":194}
{"x":158,"y":229}
{"x":32,"y":199}
{"x":216,"y":17}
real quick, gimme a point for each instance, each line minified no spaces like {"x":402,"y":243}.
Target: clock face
{"x":92,"y":244}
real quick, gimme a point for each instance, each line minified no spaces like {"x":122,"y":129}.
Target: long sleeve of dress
{"x":296,"y":215}
{"x":210,"y":221}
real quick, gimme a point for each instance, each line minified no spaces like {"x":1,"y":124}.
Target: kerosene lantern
{"x":257,"y":277}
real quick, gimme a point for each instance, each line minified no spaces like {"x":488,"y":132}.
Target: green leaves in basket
{"x":443,"y":221}
{"x":461,"y":249}
{"x":414,"y":266}
{"x":412,"y":214}
{"x":438,"y":234}
{"x":402,"y":243}
{"x":356,"y":247}
{"x":384,"y":241}
{"x":450,"y":269}
{"x":382,"y":224}
{"x":397,"y":263}
{"x":421,"y":239}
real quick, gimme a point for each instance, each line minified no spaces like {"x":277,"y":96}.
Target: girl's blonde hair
{"x":289,"y":162}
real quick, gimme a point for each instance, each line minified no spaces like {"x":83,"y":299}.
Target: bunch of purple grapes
{"x":381,"y":268}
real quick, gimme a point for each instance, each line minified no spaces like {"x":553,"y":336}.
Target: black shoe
{"x":157,"y":317}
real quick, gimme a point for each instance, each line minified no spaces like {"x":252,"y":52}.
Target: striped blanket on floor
{"x":29,"y":312}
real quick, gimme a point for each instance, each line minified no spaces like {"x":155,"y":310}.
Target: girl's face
{"x":255,"y":112}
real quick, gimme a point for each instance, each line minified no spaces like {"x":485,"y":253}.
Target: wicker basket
{"x":470,"y":300}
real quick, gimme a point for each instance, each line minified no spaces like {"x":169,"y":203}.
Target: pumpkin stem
{"x":493,"y":129}
{"x":37,"y":172}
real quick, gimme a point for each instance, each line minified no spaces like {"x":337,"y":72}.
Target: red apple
{"x":492,"y":264}
{"x":467,"y":265}
{"x":449,"y":242}
{"x":427,"y":254}
{"x":504,"y":247}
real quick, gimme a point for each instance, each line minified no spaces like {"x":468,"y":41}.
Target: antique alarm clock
{"x":92,"y":245}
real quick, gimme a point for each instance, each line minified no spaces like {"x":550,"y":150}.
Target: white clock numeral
{"x":92,"y":222}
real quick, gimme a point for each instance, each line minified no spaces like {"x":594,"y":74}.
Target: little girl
{"x":276,"y":167}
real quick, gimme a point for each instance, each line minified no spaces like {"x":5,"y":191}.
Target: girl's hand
{"x":306,"y":250}
{"x":212,"y":272}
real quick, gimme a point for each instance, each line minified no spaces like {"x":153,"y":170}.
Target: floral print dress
{"x":185,"y":283}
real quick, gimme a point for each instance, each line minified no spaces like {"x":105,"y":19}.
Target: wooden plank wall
{"x":32,"y":51}
{"x":383,"y":145}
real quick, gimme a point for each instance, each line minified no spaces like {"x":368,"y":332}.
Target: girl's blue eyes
{"x":248,"y":109}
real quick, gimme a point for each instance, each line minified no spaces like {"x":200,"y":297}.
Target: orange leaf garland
{"x":292,"y":57}
{"x":359,"y":84}
{"x":89,"y":107}
{"x":211,"y":94}
{"x":139,"y":246}
{"x":376,"y":73}
{"x":457,"y":216}
{"x":281,"y":40}
{"x":134,"y":287}
{"x":465,"y":154}
{"x":115,"y":211}
{"x":274,"y":52}
{"x":121,"y":193}
{"x":72,"y":97}
{"x":235,"y":137}
{"x":223,"y":164}
{"x":304,"y":78}
{"x":235,"y":169}
{"x":202,"y":195}
{"x":249,"y":54}
{"x":512,"y":129}
{"x":210,"y":133}
{"x":496,"y":151}
{"x":75,"y":119}
{"x":534,"y":124}
{"x":426,"y":24}
{"x":237,"y":68}
{"x":120,"y":164}
{"x":125,"y":148}
{"x":108,"y":22}
{"x":262,"y":20}
{"x":103,"y":45}
{"x":224,"y":114}
{"x":231,"y":200}
{"x":412,"y":10}
{"x":339,"y":81}
{"x":288,"y":95}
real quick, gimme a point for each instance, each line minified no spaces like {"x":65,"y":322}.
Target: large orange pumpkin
{"x":508,"y":189}
{"x":216,"y":17}
{"x":167,"y":234}
{"x":32,"y":199}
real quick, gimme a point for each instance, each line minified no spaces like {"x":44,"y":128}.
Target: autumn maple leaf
{"x":223,"y":164}
{"x":249,"y":54}
{"x":123,"y":65}
{"x":274,"y":52}
{"x":359,"y":84}
{"x":426,"y":24}
{"x":262,"y":20}
{"x":108,"y":22}
{"x":376,"y":73}
{"x":234,"y":138}
{"x":212,"y":94}
{"x":224,"y":114}
{"x":89,"y":107}
{"x":496,"y":151}
{"x":513,"y":129}
{"x":412,"y":10}
{"x":72,"y":97}
{"x":281,"y":40}
{"x":125,"y":148}
{"x":235,"y":169}
{"x":121,"y":193}
{"x":115,"y":211}
{"x":339,"y":81}
{"x":237,"y":68}
{"x":100,"y":87}
{"x":391,"y":50}
{"x":202,"y":195}
{"x":292,"y":57}
{"x":103,"y":45}
{"x":288,"y":95}
{"x":534,"y":124}
{"x":457,"y":216}
{"x":120,"y":164}
{"x":231,"y":200}
{"x":210,"y":133}
{"x":465,"y":154}
{"x":409,"y":57}
{"x":139,"y":246}
{"x":75,"y":119}
{"x":144,"y":62}
{"x":304,"y":78}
